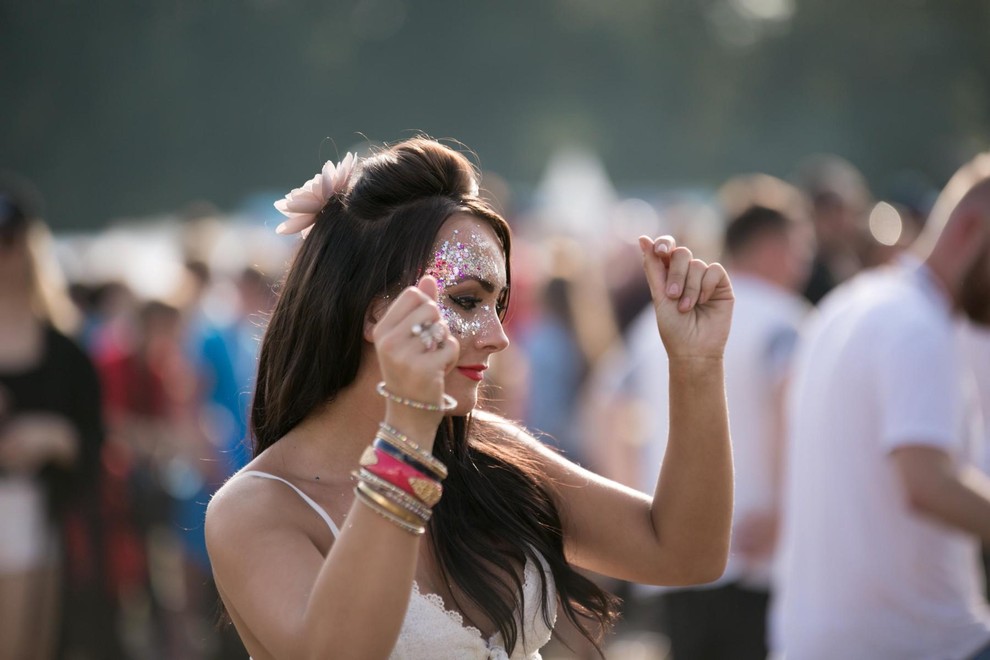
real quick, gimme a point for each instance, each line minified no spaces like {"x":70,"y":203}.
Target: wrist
{"x":419,"y":426}
{"x":701,"y":360}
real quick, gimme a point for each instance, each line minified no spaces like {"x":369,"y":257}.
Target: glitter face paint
{"x":467,"y":256}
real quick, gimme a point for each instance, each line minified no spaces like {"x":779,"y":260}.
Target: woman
{"x":50,"y":437}
{"x":398,"y":290}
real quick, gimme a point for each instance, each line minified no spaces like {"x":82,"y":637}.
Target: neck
{"x":330,"y":440}
{"x":757,"y":271}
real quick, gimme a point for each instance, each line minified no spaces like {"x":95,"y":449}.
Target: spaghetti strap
{"x":306,"y":498}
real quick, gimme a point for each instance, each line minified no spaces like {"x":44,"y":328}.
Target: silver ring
{"x":431,"y":334}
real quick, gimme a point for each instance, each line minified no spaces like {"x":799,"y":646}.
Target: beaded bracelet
{"x":390,"y":506}
{"x":402,"y":441}
{"x":395,"y":493}
{"x":449,"y":402}
{"x":418,"y":530}
{"x":409,"y":479}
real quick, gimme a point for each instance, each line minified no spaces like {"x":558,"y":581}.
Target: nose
{"x":492,"y":338}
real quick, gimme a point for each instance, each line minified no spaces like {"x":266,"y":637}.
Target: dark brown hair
{"x":373,"y":241}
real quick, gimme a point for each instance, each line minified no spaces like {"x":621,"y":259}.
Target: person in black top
{"x":51,"y":589}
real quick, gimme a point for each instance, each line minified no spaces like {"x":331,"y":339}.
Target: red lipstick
{"x":472,"y":371}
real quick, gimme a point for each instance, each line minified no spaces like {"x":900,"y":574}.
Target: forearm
{"x":961,"y":500}
{"x":361,"y":594}
{"x":692,"y":506}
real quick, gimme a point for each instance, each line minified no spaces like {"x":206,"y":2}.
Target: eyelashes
{"x":470,"y":303}
{"x":467,"y":303}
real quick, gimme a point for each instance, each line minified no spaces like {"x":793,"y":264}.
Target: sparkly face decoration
{"x":469,"y":267}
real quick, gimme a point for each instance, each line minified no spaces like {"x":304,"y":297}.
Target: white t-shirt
{"x":765,"y":324}
{"x":861,"y":575}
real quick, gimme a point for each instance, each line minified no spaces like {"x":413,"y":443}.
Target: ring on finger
{"x":432,"y":335}
{"x":438,"y":333}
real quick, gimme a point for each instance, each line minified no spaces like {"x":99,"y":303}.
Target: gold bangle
{"x":401,"y":441}
{"x":389,"y":505}
{"x":418,"y":530}
{"x":393,"y":492}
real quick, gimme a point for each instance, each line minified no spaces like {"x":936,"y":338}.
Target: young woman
{"x":367,"y":435}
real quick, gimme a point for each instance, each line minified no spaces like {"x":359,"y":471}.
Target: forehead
{"x":467,"y":247}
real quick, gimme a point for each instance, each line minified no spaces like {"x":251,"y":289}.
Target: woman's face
{"x":469,"y":267}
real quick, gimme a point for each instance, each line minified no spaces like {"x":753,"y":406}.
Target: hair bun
{"x":408,"y":171}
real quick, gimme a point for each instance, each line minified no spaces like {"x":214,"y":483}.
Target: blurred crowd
{"x":106,"y":472}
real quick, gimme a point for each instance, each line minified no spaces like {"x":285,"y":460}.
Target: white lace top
{"x":432,"y":631}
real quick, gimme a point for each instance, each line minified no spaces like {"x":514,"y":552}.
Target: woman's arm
{"x":286,"y":596}
{"x":681,"y":536}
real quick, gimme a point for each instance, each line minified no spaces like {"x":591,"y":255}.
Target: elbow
{"x":703,"y":572}
{"x":921,"y":500}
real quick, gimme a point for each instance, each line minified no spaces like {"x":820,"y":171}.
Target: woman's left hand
{"x":692,"y":299}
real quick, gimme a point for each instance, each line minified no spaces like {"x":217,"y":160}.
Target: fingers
{"x":428,"y":285}
{"x":672,"y":272}
{"x":677,"y":272}
{"x":714,"y":276}
{"x":654,"y":254}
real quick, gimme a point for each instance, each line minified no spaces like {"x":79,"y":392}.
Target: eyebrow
{"x":485,"y":284}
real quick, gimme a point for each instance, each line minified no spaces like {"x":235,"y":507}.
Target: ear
{"x":376,"y":310}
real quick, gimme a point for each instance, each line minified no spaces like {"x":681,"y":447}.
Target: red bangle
{"x":384,"y":466}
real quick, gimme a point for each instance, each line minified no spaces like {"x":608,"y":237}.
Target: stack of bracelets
{"x":399,"y":480}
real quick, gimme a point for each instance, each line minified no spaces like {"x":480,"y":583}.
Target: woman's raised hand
{"x":415,"y":349}
{"x":693,"y":299}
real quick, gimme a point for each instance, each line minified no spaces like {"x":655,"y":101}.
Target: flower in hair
{"x":302,"y":205}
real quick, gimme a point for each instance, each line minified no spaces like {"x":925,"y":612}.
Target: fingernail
{"x":661,"y":248}
{"x":674,"y":289}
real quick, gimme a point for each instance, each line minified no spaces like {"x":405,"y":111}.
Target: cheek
{"x":466,"y":324}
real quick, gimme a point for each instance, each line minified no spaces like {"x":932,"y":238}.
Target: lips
{"x":473,"y":371}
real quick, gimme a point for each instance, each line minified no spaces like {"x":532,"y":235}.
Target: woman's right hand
{"x":409,"y":367}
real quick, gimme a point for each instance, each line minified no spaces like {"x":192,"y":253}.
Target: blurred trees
{"x":129,"y":108}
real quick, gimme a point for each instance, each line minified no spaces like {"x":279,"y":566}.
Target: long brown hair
{"x":372,"y":241}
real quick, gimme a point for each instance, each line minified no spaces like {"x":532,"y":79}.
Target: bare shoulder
{"x":239,"y":508}
{"x":247,"y":511}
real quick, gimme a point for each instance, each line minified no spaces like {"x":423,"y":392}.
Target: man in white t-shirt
{"x":884,"y":504}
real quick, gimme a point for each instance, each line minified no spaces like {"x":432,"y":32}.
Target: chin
{"x":467,"y":398}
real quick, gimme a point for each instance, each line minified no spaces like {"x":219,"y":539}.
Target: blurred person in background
{"x":885,"y":503}
{"x":572,"y":327}
{"x":150,"y":410}
{"x":52,"y":597}
{"x":256,"y":295}
{"x":768,"y":244}
{"x":840,"y":200}
{"x":401,"y":280}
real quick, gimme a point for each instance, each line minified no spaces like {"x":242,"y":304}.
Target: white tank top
{"x":430,"y":630}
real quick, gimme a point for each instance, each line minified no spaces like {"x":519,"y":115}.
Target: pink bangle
{"x":401,"y":475}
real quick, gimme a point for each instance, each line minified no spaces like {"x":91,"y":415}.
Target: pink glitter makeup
{"x":460,"y":259}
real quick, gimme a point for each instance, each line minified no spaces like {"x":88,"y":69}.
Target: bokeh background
{"x":153,"y":138}
{"x":125,"y":109}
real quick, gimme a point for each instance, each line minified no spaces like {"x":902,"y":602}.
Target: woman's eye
{"x":466,"y":303}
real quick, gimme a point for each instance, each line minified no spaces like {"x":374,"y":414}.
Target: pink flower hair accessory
{"x":302,"y":205}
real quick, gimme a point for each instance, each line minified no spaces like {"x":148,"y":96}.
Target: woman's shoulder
{"x":261,"y":500}
{"x":244,"y":504}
